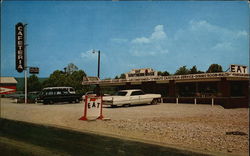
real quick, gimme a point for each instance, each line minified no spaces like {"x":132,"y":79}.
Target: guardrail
{"x":167,"y":78}
{"x":226,"y":102}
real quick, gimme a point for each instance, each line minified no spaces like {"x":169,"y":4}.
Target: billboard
{"x":34,"y":70}
{"x":20,"y":51}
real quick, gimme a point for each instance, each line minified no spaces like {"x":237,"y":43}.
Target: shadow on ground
{"x":31,"y":139}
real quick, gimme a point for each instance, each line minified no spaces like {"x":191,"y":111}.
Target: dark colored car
{"x":50,"y":96}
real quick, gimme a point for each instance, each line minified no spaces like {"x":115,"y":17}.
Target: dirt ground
{"x":195,"y":127}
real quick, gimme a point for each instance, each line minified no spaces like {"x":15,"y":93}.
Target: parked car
{"x":91,"y":93}
{"x":69,"y":89}
{"x":131,"y":97}
{"x":57,"y":94}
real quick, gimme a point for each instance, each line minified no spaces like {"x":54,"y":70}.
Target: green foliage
{"x":194,"y":70}
{"x":71,"y":68}
{"x":34,"y":84}
{"x":165,"y":73}
{"x":214,"y":68}
{"x":69,"y":79}
{"x":182,"y":71}
{"x":122,"y":76}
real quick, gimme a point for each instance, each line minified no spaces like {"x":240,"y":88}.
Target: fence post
{"x":212,"y":102}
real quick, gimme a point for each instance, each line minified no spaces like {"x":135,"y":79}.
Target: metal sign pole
{"x":25,"y":63}
{"x":25,"y":77}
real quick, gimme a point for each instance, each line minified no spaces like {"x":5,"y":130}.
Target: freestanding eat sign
{"x":92,"y":108}
{"x":20,"y":53}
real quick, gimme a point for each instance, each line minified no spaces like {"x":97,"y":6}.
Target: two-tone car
{"x":131,"y":97}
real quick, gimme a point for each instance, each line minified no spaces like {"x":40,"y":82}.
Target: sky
{"x":163,"y":35}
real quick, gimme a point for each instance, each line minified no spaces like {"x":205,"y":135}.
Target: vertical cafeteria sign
{"x":20,"y":52}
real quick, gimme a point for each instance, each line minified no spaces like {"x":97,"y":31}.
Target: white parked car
{"x":131,"y":97}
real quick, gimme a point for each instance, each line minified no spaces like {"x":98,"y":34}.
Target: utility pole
{"x":98,"y":64}
{"x":99,"y":60}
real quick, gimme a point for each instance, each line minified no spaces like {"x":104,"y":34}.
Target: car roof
{"x":58,"y":88}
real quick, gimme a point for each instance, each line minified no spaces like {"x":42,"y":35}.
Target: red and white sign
{"x":92,"y":108}
{"x":7,"y":89}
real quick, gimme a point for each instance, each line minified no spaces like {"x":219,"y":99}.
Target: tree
{"x":71,"y":68}
{"x":182,"y":71}
{"x":122,"y":76}
{"x":75,"y":79}
{"x":165,"y":73}
{"x":194,"y":70}
{"x":34,"y":84}
{"x":56,"y":79}
{"x":214,"y":68}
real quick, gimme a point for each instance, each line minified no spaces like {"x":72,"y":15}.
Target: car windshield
{"x":121,"y":93}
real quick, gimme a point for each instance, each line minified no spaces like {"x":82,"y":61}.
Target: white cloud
{"x":141,"y":40}
{"x":153,"y":45}
{"x":223,"y":46}
{"x":88,"y":55}
{"x":242,"y":34}
{"x":203,"y":36}
{"x":119,"y":40}
{"x":158,"y":34}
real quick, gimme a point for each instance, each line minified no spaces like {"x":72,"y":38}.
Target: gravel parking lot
{"x":196,"y":127}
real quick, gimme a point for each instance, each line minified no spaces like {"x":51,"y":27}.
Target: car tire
{"x":126,"y":105}
{"x":154,"y":102}
{"x":77,"y":100}
{"x":113,"y":106}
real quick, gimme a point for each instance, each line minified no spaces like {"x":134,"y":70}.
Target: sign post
{"x":21,"y":60}
{"x":92,"y":108}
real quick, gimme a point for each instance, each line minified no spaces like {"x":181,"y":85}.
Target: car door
{"x":66,"y":97}
{"x":144,"y":98}
{"x":59,"y":96}
{"x":135,"y":97}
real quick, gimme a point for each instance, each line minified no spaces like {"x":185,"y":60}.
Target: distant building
{"x":230,"y":89}
{"x":7,"y":85}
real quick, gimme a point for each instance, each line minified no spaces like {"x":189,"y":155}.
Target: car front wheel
{"x":154,"y":102}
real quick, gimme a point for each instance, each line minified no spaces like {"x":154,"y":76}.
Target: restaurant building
{"x":7,"y":85}
{"x":229,"y":89}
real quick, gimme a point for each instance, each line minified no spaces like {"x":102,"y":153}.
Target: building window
{"x":236,"y":89}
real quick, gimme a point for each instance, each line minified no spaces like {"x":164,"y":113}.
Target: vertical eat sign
{"x":20,"y":47}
